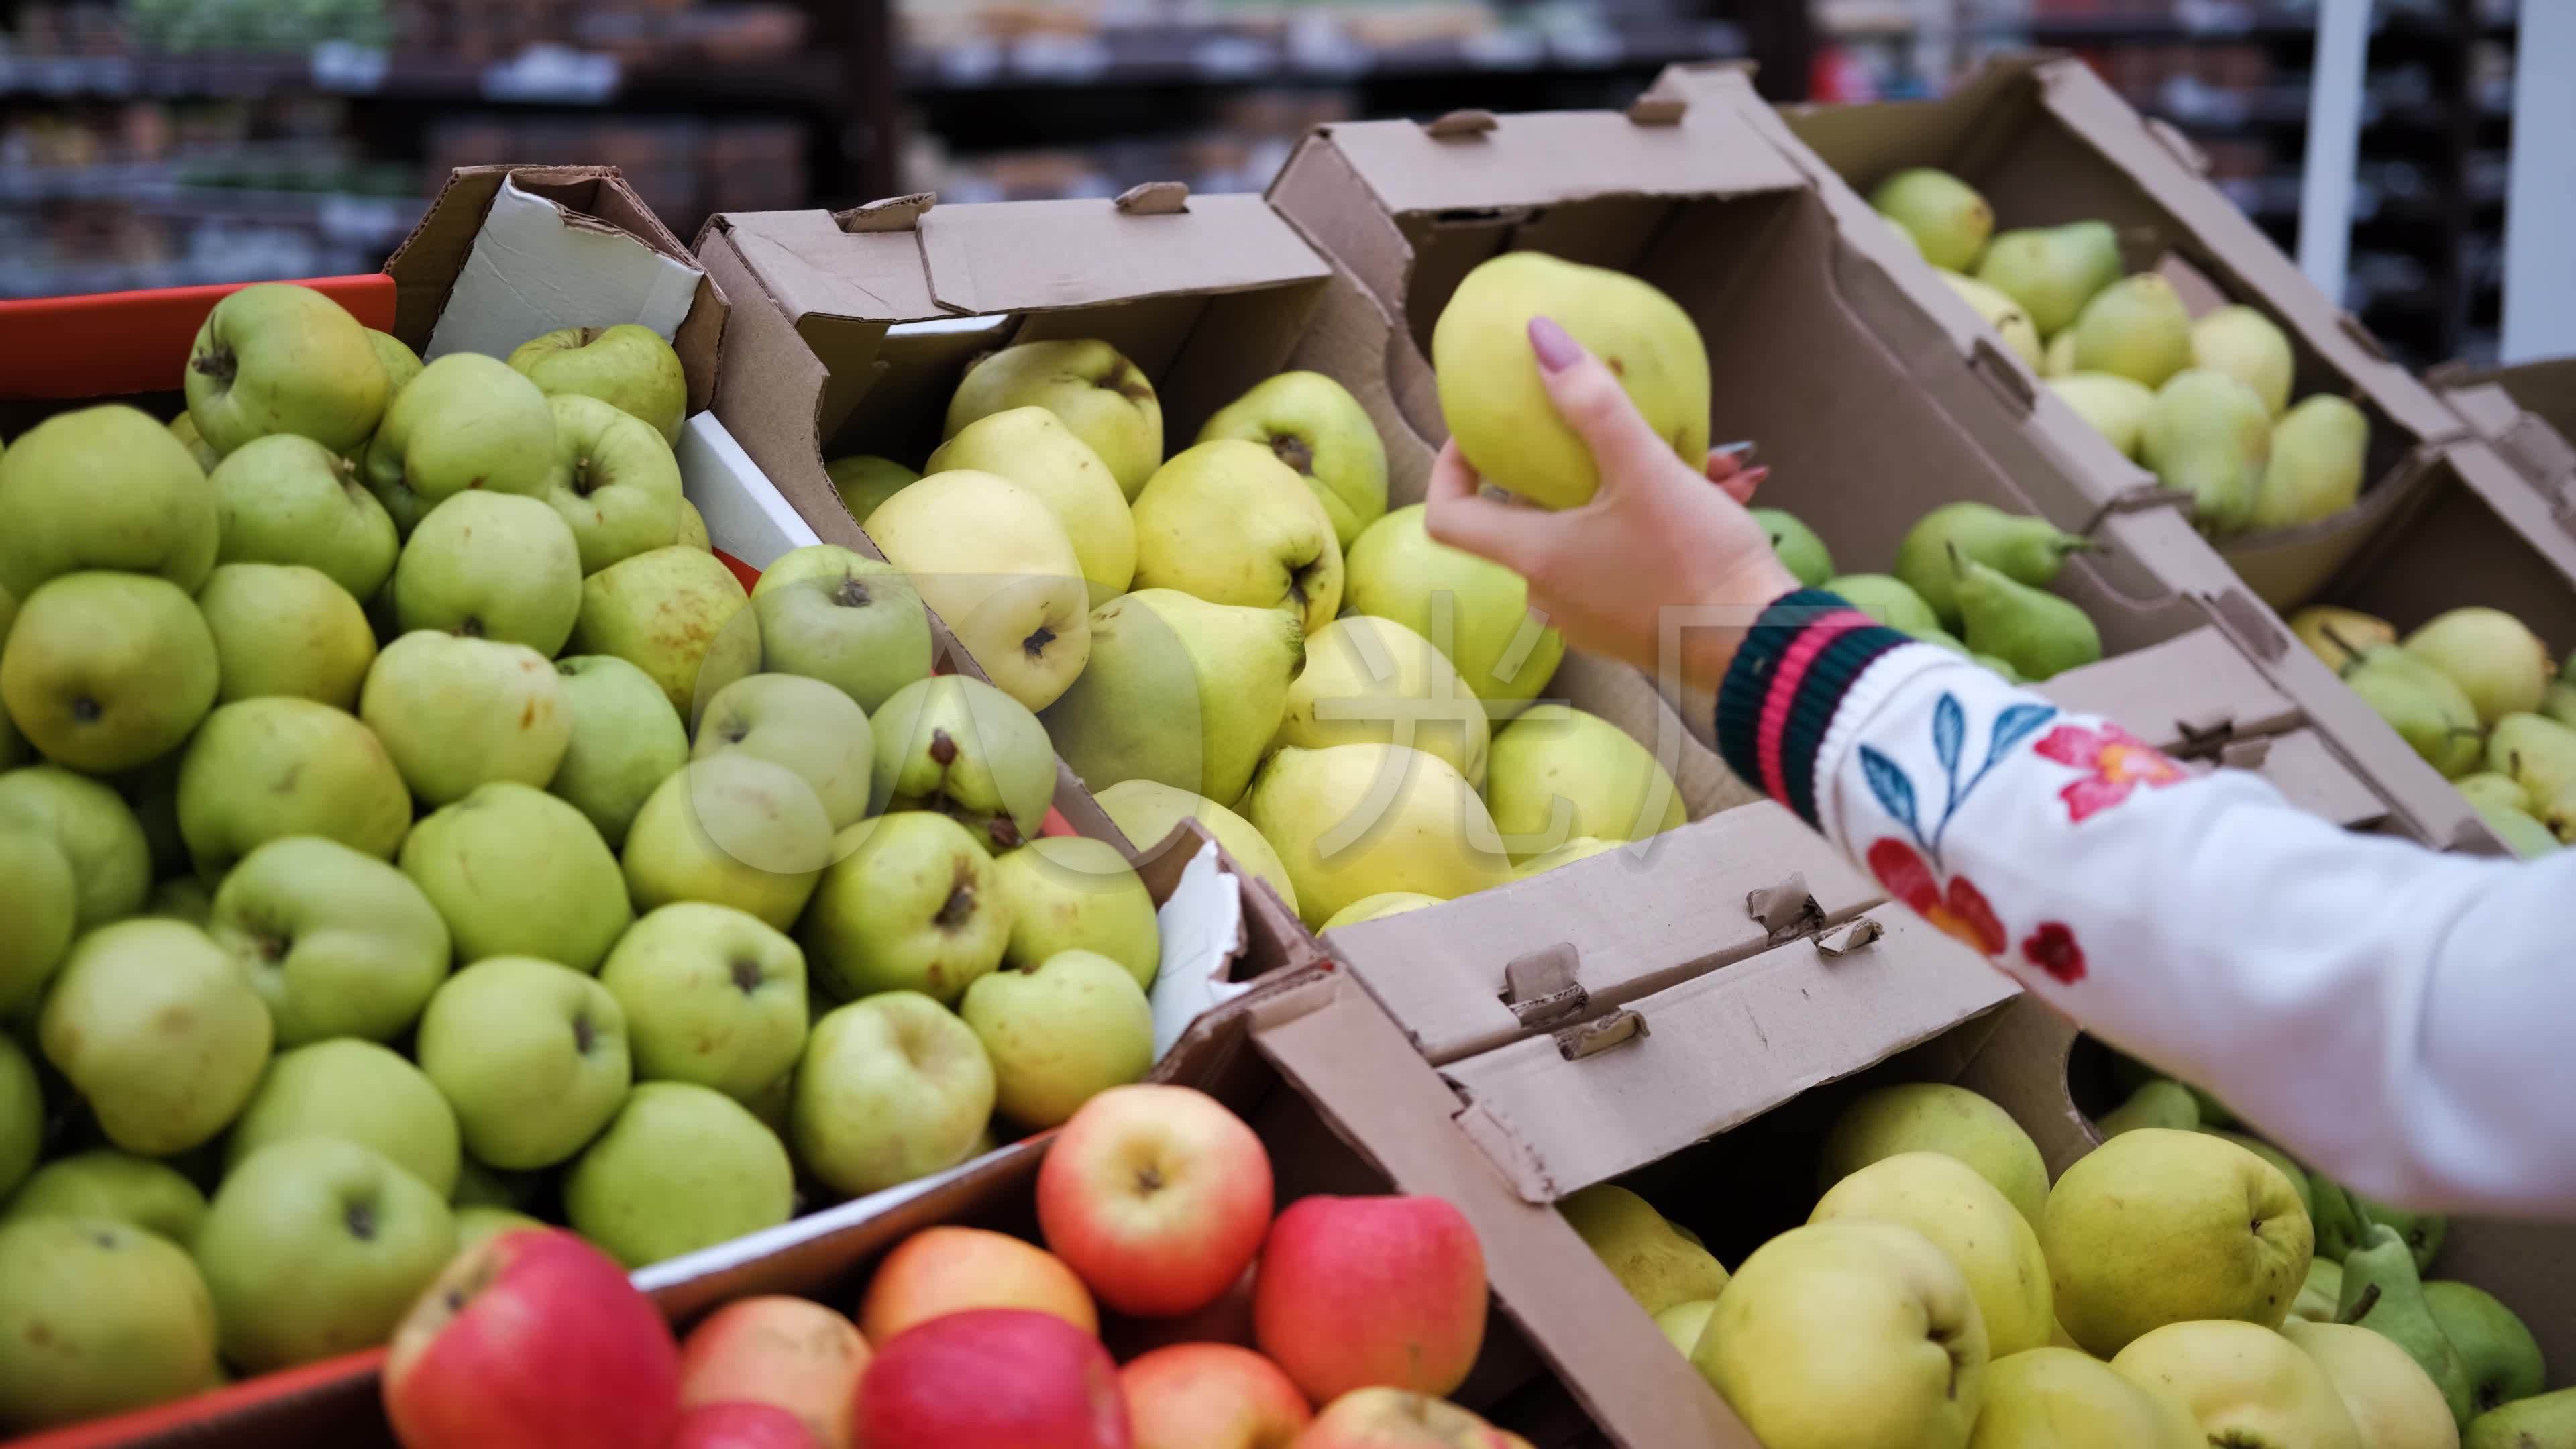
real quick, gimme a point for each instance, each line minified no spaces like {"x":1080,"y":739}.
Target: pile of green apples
{"x":410,"y":827}
{"x":1243,"y":633}
{"x":2173,"y":1289}
{"x":1968,"y":577}
{"x":2475,"y":693}
{"x":2204,"y":404}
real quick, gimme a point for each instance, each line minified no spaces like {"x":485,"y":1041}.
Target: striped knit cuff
{"x":1788,"y":678}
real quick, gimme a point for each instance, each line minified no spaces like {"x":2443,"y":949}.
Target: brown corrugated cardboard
{"x":2528,"y":414}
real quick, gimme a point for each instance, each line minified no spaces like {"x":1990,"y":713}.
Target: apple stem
{"x":2361,"y":1306}
{"x":217,"y":363}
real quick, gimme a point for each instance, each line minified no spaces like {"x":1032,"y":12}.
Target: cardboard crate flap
{"x":1542,"y":159}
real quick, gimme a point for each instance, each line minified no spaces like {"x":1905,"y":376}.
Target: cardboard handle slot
{"x":893,"y":213}
{"x":1658,"y":110}
{"x":2135,"y":500}
{"x":1850,"y":938}
{"x":2005,"y":375}
{"x":1155,"y":198}
{"x":2206,"y":730}
{"x":2244,"y":754}
{"x":1458,"y":124}
{"x":1594,"y":1037}
{"x":2182,"y":147}
{"x":1785,"y":910}
{"x":2248,"y":624}
{"x":1541,"y":988}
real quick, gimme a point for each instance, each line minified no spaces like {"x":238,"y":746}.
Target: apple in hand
{"x":97,"y":1317}
{"x":283,"y":499}
{"x":466,"y":423}
{"x":1159,"y":1197}
{"x":118,"y":1186}
{"x":534,"y":1341}
{"x":279,"y":358}
{"x":1105,"y":399}
{"x":742,"y":1426}
{"x":860,"y":628}
{"x":1211,"y":1396}
{"x":102,"y":488}
{"x":891,"y":1088}
{"x":804,"y":724}
{"x":629,"y":367}
{"x":107,"y":671}
{"x":516,"y":872}
{"x":1229,"y":523}
{"x":357,"y":1092}
{"x":316,"y":1246}
{"x":97,"y":834}
{"x":626,"y":739}
{"x":995,"y":563}
{"x":993,"y":1378}
{"x":531,"y":1054}
{"x":286,"y":629}
{"x":1357,"y":1292}
{"x":679,"y":1168}
{"x":491,"y":566}
{"x":944,"y":1270}
{"x":734,"y":830}
{"x":456,"y":713}
{"x":1314,"y":425}
{"x":1387,"y":1418}
{"x":790,"y":1353}
{"x":615,"y":482}
{"x":265,"y":769}
{"x":911,"y":907}
{"x":337,"y":942}
{"x":712,"y":996}
{"x":154,"y":1027}
{"x":966,"y":749}
{"x":1060,"y":1033}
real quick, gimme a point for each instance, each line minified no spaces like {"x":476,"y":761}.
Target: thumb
{"x":1589,"y":397}
{"x":1456,"y":515}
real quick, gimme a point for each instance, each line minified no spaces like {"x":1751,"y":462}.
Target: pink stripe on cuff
{"x":1785,"y":680}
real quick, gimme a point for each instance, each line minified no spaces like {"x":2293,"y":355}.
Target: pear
{"x":2053,"y":271}
{"x":1938,"y":638}
{"x":2244,"y":344}
{"x":2539,"y":753}
{"x":1497,"y":409}
{"x":2426,"y":709}
{"x":1355,"y":820}
{"x":2003,"y":314}
{"x":2501,"y":665}
{"x":1945,"y":216}
{"x":1659,"y":1267}
{"x":2543,"y":1421}
{"x":2382,"y":1292}
{"x":2115,"y":406}
{"x":2027,"y":550}
{"x":1178,"y":690}
{"x":1800,"y":550}
{"x":2035,"y":632}
{"x":1888,"y":600}
{"x":2058,"y":358}
{"x":2002,"y":666}
{"x":2392,"y":1401}
{"x":2339,"y":636}
{"x":2502,"y":1357}
{"x":2523,"y":833}
{"x":2493,"y":789}
{"x":2208,"y":436}
{"x":2138,"y":328}
{"x":2315,"y":468}
{"x":2160,"y":1103}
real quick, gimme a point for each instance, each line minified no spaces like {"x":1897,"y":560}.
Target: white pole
{"x":2334,"y":141}
{"x":2540,"y":210}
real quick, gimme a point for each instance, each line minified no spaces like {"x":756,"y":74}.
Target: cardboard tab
{"x":894,"y":213}
{"x":1653,"y":109}
{"x":1459,"y":123}
{"x":1540,"y":987}
{"x":1155,"y":198}
{"x":984,"y":260}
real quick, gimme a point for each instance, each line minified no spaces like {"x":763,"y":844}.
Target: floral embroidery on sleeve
{"x":2117,"y":763}
{"x":1913,"y":873}
{"x":2052,"y":949}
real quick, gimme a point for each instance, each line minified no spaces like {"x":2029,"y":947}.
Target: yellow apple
{"x":995,"y":563}
{"x":2249,"y":1387}
{"x":1033,"y":448}
{"x":1355,"y":820}
{"x":1946,"y":1201}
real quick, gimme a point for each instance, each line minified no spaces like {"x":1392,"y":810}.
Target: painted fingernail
{"x":1755,"y":475}
{"x":1556,"y":348}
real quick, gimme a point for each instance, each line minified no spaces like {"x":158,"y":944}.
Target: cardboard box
{"x":2528,"y":414}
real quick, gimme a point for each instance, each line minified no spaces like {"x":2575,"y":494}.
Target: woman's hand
{"x":1656,"y":552}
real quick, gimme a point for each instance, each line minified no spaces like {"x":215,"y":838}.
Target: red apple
{"x":946,"y":1270}
{"x":789,"y":1352}
{"x":1158,"y":1196}
{"x":535,"y":1340}
{"x":1211,"y":1396}
{"x":993,"y":1378}
{"x":742,"y":1425}
{"x":1364,"y":1292}
{"x":1394,"y":1419}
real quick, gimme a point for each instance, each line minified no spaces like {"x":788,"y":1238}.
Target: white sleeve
{"x":2400,"y":1019}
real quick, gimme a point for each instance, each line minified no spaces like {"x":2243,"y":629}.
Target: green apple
{"x":479,"y":1223}
{"x":864,"y":481}
{"x":1556,"y":773}
{"x":1661,"y":1265}
{"x":816,"y":561}
{"x":456,"y":713}
{"x":264,"y":769}
{"x":1937,"y":1117}
{"x":734,"y":830}
{"x":712,"y":996}
{"x":107,"y":671}
{"x":22,"y":1115}
{"x":625,"y":740}
{"x":964,"y":748}
{"x":1060,"y":1034}
{"x":181,"y":898}
{"x":1033,"y":448}
{"x":679,"y":1168}
{"x":358,"y":1092}
{"x":479,"y":1184}
{"x":1105,"y":399}
{"x":1178,"y":690}
{"x":14,"y":749}
{"x":184,"y":428}
{"x":91,"y":825}
{"x":491,"y":566}
{"x":1368,"y":680}
{"x":861,"y":629}
{"x":516,"y":872}
{"x":289,"y":500}
{"x":1231,"y":524}
{"x":284,"y":629}
{"x":400,"y":363}
{"x":531,"y":1055}
{"x":1313,"y":424}
{"x":103,"y":488}
{"x":665,"y":611}
{"x":153,"y":794}
{"x":627,"y":366}
{"x":316,"y":1246}
{"x":910,"y":907}
{"x":466,"y":423}
{"x":97,"y":1317}
{"x":891,"y":1088}
{"x":44,"y":907}
{"x":1071,"y":892}
{"x":994,"y":562}
{"x":2158,"y":1226}
{"x":1384,"y":904}
{"x":279,"y":358}
{"x":338,"y":943}
{"x":615,"y":481}
{"x":152,"y":1024}
{"x":804,"y":724}
{"x":1147,"y":811}
{"x":117,"y":1186}
{"x":1474,"y":611}
{"x":693,"y":528}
